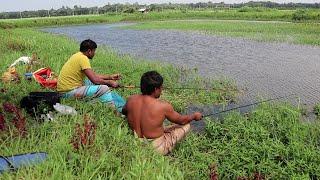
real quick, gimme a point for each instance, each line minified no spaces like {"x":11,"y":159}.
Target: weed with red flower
{"x":18,"y":120}
{"x":213,"y":172}
{"x":2,"y":123}
{"x":84,"y":137}
{"x":258,"y":176}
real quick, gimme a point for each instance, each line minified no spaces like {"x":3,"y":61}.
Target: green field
{"x":271,"y":142}
{"x":297,"y":33}
{"x":260,"y":14}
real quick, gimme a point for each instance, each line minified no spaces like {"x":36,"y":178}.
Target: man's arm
{"x":96,"y":79}
{"x":110,"y":77}
{"x":177,"y":118}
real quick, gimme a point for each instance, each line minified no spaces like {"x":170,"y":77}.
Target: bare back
{"x":146,"y":115}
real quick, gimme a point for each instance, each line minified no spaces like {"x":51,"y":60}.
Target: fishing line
{"x":189,"y":88}
{"x":259,"y":102}
{"x":211,"y":114}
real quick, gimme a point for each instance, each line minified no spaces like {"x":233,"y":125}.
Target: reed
{"x":296,"y":33}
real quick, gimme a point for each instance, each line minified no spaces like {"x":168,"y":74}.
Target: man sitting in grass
{"x":146,"y":113}
{"x":72,"y":76}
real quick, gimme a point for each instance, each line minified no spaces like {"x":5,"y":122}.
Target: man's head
{"x":88,"y":48}
{"x":151,"y":83}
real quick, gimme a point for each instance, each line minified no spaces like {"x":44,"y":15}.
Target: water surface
{"x":264,"y":69}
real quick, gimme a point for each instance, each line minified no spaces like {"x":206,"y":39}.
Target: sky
{"x":22,"y":5}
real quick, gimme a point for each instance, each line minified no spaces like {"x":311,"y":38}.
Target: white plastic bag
{"x":63,"y":109}
{"x":23,"y":59}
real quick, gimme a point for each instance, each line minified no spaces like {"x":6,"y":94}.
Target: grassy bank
{"x":59,"y":21}
{"x":115,"y":153}
{"x":261,"y":14}
{"x":256,"y":24}
{"x":298,"y":33}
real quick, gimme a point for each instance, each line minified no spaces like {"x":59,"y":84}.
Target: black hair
{"x":87,"y":44}
{"x":149,"y":81}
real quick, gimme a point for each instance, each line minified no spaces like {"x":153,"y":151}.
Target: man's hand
{"x":197,"y":116}
{"x":115,"y":76}
{"x":113,"y":84}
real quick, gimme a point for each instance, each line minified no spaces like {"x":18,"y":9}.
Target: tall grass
{"x":305,"y":15}
{"x":58,"y":21}
{"x":116,"y":154}
{"x":298,"y":33}
{"x":271,"y":143}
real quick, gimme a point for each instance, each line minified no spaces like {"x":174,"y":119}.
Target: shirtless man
{"x":146,"y":113}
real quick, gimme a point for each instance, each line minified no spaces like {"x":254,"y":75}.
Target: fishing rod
{"x":189,"y":88}
{"x":259,"y":102}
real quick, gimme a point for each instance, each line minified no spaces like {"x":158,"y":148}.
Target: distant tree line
{"x":131,"y":8}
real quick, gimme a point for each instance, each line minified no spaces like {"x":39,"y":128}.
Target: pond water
{"x":264,"y":69}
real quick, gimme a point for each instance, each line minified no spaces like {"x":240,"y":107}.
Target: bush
{"x":251,"y":9}
{"x":300,"y":15}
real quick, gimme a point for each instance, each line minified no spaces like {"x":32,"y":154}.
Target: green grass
{"x":261,"y":14}
{"x":256,"y":23}
{"x":316,"y":110}
{"x":116,"y":154}
{"x":271,"y":141}
{"x":59,"y":21}
{"x":298,"y":33}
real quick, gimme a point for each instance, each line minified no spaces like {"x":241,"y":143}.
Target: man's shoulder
{"x":79,"y":55}
{"x":165,"y":104}
{"x":134,"y":97}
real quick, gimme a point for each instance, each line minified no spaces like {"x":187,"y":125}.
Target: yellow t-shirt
{"x":72,"y":75}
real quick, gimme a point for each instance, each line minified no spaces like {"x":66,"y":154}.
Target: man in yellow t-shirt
{"x":72,"y":83}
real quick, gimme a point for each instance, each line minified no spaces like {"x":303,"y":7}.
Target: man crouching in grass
{"x":146,"y":113}
{"x":72,"y":83}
